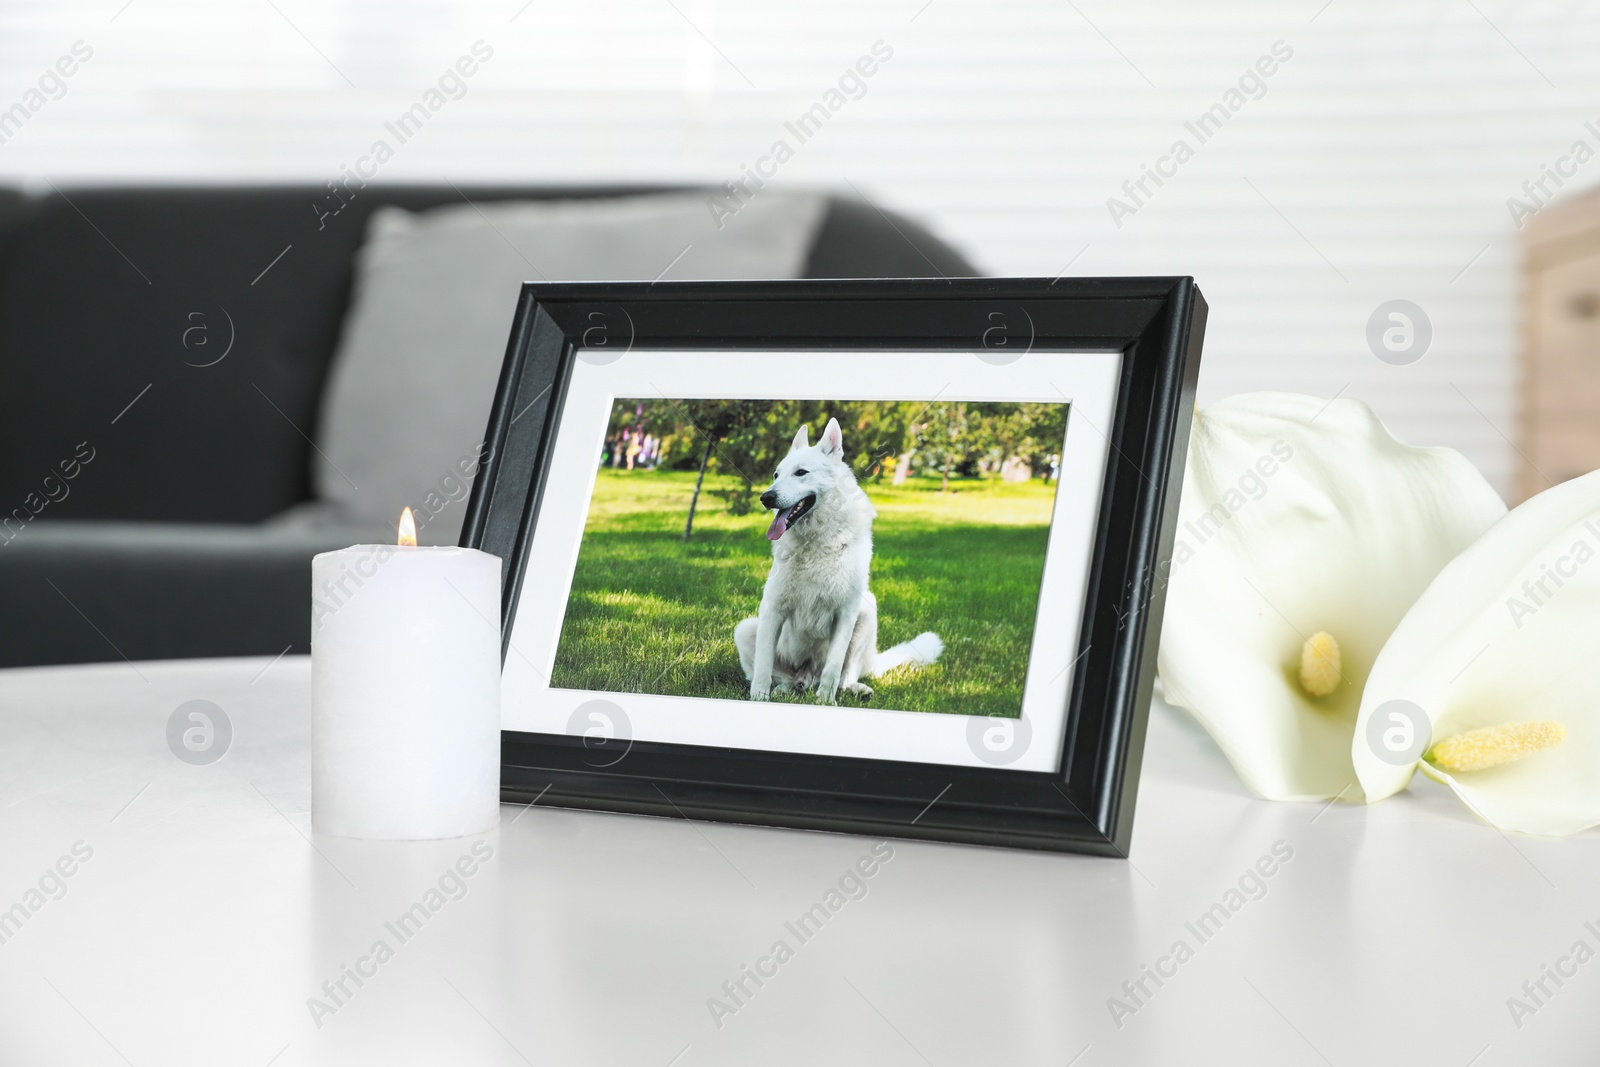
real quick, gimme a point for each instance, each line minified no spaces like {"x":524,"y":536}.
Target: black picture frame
{"x":1087,"y":803}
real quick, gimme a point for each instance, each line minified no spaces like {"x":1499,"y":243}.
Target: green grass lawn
{"x":650,"y":613}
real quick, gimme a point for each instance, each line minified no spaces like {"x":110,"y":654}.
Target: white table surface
{"x":208,"y":915}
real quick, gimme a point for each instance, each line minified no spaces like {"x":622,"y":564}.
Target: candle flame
{"x":408,"y":529}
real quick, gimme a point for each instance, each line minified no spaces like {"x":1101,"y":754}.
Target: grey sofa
{"x":140,"y":501}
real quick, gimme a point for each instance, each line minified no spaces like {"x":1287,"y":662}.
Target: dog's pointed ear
{"x":832,"y":439}
{"x":801,"y":439}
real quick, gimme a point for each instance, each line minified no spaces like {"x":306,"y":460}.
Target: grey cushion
{"x":415,"y":371}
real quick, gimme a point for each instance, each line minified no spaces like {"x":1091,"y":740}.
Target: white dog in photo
{"x":818,"y":623}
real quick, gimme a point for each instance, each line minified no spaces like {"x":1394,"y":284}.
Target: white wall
{"x":1376,"y":166}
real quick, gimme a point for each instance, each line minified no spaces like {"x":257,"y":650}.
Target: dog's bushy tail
{"x":920,"y":651}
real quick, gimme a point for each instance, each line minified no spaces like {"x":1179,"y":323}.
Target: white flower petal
{"x":1481,"y":648}
{"x":1298,"y":515}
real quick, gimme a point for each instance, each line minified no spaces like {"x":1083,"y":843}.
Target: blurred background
{"x":1379,"y":200}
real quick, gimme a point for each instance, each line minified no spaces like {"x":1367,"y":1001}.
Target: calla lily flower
{"x":1305,"y":533}
{"x":1493,"y":661}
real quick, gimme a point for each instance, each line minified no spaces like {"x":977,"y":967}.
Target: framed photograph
{"x":884,"y":557}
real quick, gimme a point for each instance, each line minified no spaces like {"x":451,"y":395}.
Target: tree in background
{"x":880,"y":431}
{"x":944,"y":440}
{"x":714,"y":421}
{"x":751,"y":452}
{"x":873,"y":431}
{"x":1028,"y":432}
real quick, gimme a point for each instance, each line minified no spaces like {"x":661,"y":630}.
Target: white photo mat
{"x":1087,"y":381}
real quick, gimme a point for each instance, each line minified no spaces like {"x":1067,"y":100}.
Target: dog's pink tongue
{"x":780,"y":523}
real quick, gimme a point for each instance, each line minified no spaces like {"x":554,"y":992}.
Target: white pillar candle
{"x":405,"y":692}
